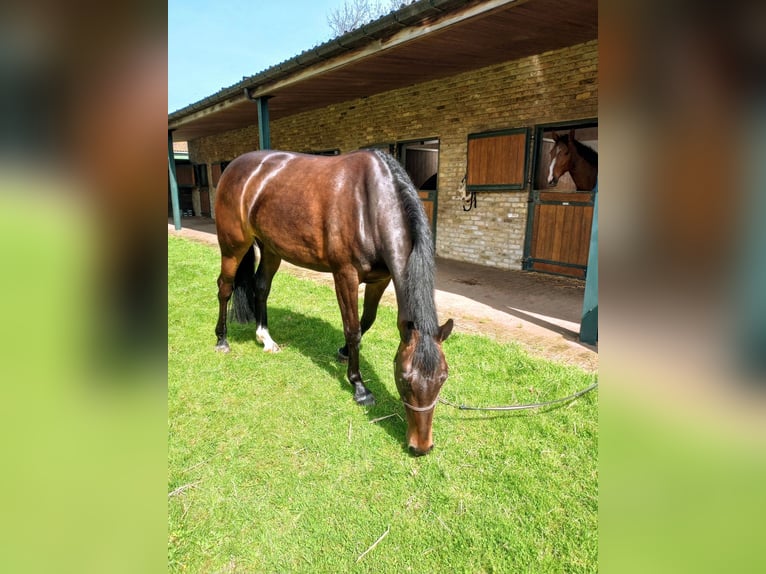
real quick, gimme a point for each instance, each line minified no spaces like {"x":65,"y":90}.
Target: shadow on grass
{"x":318,"y":340}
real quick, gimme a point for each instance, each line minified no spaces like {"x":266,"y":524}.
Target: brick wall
{"x":554,"y":86}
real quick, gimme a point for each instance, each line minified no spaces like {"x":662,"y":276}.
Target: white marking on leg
{"x":262,"y":335}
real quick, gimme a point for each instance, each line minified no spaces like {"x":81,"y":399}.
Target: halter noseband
{"x":422,"y":409}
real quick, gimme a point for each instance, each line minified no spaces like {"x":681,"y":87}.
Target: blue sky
{"x":212,"y":44}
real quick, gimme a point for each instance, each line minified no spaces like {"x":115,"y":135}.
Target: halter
{"x":422,"y":409}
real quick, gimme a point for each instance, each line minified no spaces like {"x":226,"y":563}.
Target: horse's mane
{"x":586,"y":152}
{"x":419,"y":274}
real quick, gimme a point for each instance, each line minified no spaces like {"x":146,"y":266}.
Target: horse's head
{"x":420,"y":370}
{"x":561,"y":157}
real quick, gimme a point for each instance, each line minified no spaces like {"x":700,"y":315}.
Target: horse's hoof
{"x":366,"y":400}
{"x":222,"y":348}
{"x":273,"y":348}
{"x":342,"y":357}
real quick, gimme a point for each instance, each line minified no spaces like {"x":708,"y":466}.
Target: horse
{"x":570,"y":155}
{"x":357,"y":216}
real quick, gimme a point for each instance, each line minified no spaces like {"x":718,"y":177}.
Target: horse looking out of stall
{"x":570,"y":155}
{"x":357,"y":216}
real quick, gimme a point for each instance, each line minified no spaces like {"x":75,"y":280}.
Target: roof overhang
{"x":426,"y":40}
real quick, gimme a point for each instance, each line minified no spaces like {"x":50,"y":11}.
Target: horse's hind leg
{"x":372,"y":294}
{"x":237,"y":264}
{"x":229,"y":266}
{"x":267,"y":267}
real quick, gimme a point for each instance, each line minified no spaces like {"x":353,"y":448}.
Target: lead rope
{"x":513,"y":407}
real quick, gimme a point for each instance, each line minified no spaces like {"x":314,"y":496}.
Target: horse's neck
{"x":582,"y":173}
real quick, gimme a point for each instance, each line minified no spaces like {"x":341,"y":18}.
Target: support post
{"x":589,"y":322}
{"x":264,"y":131}
{"x":173,"y":183}
{"x":745,"y":293}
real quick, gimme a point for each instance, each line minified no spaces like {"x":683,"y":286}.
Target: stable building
{"x":469,"y":95}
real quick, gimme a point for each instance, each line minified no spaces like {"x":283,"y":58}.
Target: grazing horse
{"x":357,"y":216}
{"x":570,"y":155}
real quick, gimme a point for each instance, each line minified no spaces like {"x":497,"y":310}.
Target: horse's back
{"x":314,"y":211}
{"x":260,"y":174}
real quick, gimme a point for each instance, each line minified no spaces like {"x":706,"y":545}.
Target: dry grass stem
{"x":182,"y":488}
{"x":382,"y":536}
{"x":377,"y":420}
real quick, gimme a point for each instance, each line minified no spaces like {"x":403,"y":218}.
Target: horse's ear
{"x":406,"y":329}
{"x":571,"y":135}
{"x":556,"y":137}
{"x":445,"y":330}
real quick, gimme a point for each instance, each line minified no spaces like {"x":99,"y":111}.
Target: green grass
{"x":278,"y":469}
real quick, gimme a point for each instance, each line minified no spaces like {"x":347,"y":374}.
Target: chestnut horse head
{"x":420,"y":370}
{"x":357,"y":216}
{"x":570,"y":155}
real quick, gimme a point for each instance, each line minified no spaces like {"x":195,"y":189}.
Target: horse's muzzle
{"x":419,"y":428}
{"x":417,"y":452}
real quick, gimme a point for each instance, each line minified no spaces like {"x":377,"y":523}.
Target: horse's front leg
{"x":372,"y":295}
{"x":347,"y":290}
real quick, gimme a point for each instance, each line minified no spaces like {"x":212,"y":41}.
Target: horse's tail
{"x":243,"y":298}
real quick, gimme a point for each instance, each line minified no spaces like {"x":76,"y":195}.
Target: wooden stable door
{"x":560,"y":217}
{"x":421,"y":161}
{"x":428,"y":199}
{"x":559,"y":238}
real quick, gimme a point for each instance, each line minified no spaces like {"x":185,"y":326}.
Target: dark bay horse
{"x":570,"y":155}
{"x":357,"y":216}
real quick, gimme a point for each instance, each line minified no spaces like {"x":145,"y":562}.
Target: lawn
{"x":272,"y":467}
